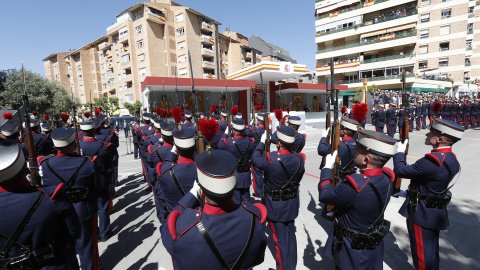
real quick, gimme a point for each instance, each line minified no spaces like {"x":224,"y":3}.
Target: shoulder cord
{"x":13,"y":238}
{"x":217,"y":253}
{"x":174,"y":177}
{"x":380,"y":202}
{"x":73,"y":177}
{"x":238,"y":148}
{"x":286,"y":172}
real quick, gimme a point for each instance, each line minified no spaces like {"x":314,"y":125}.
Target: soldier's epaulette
{"x":43,"y":158}
{"x":390,"y":173}
{"x":51,"y":191}
{"x":149,"y":149}
{"x":91,"y":159}
{"x":225,"y":140}
{"x":304,"y":135}
{"x":437,"y":158}
{"x":357,"y":181}
{"x":106,"y":145}
{"x":301,"y":155}
{"x":161,"y":171}
{"x":253,"y":139}
{"x":257,"y":209}
{"x":182,"y":221}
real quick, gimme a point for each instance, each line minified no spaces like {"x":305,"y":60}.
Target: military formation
{"x":217,"y":186}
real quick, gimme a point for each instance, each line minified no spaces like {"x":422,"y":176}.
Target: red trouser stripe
{"x":253,"y":177}
{"x":277,"y":257}
{"x":419,"y":241}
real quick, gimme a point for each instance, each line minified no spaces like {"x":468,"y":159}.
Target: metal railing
{"x":380,"y":78}
{"x":359,"y":6}
{"x":384,"y":19}
{"x":404,"y":34}
{"x":386,"y":58}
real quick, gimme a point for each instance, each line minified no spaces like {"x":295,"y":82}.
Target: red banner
{"x":258,"y":96}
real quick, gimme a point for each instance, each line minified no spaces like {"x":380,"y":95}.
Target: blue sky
{"x":32,"y":29}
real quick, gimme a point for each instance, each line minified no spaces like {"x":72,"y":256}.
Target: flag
{"x":333,"y":14}
{"x":318,"y":65}
{"x":368,"y":3}
{"x":162,"y":18}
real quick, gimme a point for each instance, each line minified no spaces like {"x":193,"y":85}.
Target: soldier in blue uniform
{"x":103,"y":155}
{"x":242,"y":149}
{"x":218,"y":136}
{"x":380,"y":118}
{"x":77,"y":174}
{"x":188,"y":120}
{"x":45,"y":240}
{"x":454,"y":111}
{"x":223,"y":121}
{"x":147,"y":142}
{"x":401,"y":117}
{"x":476,"y":112}
{"x":221,"y":234}
{"x":300,"y":138}
{"x":256,"y":133}
{"x":391,"y":120}
{"x":175,"y":177}
{"x":418,"y":115}
{"x":10,"y":131}
{"x":283,"y":171}
{"x":348,"y":130}
{"x":356,"y":240}
{"x":473,"y":115}
{"x":141,"y":132}
{"x":425,"y":107}
{"x":411,"y":114}
{"x":428,"y":194}
{"x":158,"y":153}
{"x":136,"y":145}
{"x":42,"y":145}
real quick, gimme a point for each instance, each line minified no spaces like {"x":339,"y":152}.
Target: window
{"x":425,"y":18}
{"x":80,"y":77}
{"x":424,"y":33}
{"x":425,"y":3}
{"x":109,"y":72}
{"x":182,"y":71}
{"x":122,"y":32}
{"x":446,"y":13}
{"x":102,"y":66}
{"x":104,"y":86}
{"x":423,"y":49}
{"x":111,"y":81}
{"x":221,"y":50}
{"x":142,"y":71}
{"x":103,"y":75}
{"x":125,"y":58}
{"x":179,"y":17}
{"x":443,"y":62}
{"x":468,"y":44}
{"x":120,"y":88}
{"x":444,"y":46}
{"x":180,"y":31}
{"x":138,"y":15}
{"x":119,"y":77}
{"x":181,"y":45}
{"x":138,"y":29}
{"x":422,"y":64}
{"x":468,"y":61}
{"x":470,"y":28}
{"x":471,"y":12}
{"x":140,"y":44}
{"x":79,"y":68}
{"x":141,"y":57}
{"x":445,"y":30}
{"x":182,"y":58}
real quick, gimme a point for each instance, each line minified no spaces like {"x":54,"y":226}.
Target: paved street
{"x":136,"y":242}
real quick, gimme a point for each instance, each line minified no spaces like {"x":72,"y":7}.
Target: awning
{"x":402,"y":27}
{"x":336,"y":6}
{"x":375,"y":33}
{"x":306,"y":88}
{"x":271,"y":71}
{"x":185,"y":84}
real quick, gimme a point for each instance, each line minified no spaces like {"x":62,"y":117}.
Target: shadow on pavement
{"x":142,"y":260}
{"x":394,"y":256}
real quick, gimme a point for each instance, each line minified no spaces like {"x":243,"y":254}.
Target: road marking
{"x":311,"y":175}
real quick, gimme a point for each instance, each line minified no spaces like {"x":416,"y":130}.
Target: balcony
{"x":207,"y":26}
{"x":373,"y":79}
{"x":104,"y":45}
{"x":126,"y":63}
{"x":376,"y":40}
{"x":208,"y":64}
{"x":208,"y":52}
{"x":248,"y":55}
{"x":259,"y":56}
{"x":208,"y":76}
{"x":370,"y":22}
{"x":207,"y":39}
{"x":156,"y":17}
{"x":386,"y":58}
{"x":359,"y":6}
{"x":470,"y":32}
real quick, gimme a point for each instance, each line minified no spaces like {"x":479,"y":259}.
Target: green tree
{"x":109,"y":105}
{"x":44,"y":96}
{"x":133,"y":109}
{"x":370,"y":89}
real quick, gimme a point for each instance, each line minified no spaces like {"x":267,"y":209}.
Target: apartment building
{"x":56,"y":69}
{"x":377,"y":39}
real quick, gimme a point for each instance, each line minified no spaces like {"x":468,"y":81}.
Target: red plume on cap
{"x":97,"y":112}
{"x":258,"y":107}
{"x":234,"y":110}
{"x":144,"y":109}
{"x":100,"y":108}
{"x":164,"y":113}
{"x":214,"y":108}
{"x":64,"y":117}
{"x":359,"y":112}
{"x":186,"y":106}
{"x":278,"y":114}
{"x":87,"y":114}
{"x":177,"y":114}
{"x":343,"y":109}
{"x":436,"y":107}
{"x":46,"y":117}
{"x":35,"y":113}
{"x":208,"y":127}
{"x":158,"y":111}
{"x":284,"y":120}
{"x":287,"y":109}
{"x":7,"y":116}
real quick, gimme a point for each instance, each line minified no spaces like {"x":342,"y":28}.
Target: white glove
{"x":195,"y":189}
{"x":174,"y":149}
{"x":330,"y":160}
{"x":251,"y":122}
{"x":226,"y":131}
{"x":161,"y":140}
{"x":401,"y":147}
{"x":325,"y":132}
{"x":264,"y":137}
{"x":401,"y":193}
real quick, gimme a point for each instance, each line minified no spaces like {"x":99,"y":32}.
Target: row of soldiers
{"x":69,"y":212}
{"x":464,"y":112}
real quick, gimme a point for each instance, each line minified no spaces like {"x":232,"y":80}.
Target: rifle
{"x":335,"y":147}
{"x":265,"y":119}
{"x":328,"y":120}
{"x":200,"y":141}
{"x":28,"y":136}
{"x":91,"y":107}
{"x":406,"y":127}
{"x":253,"y":107}
{"x":74,"y":121}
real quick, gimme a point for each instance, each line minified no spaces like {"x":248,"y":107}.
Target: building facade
{"x":433,"y":41}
